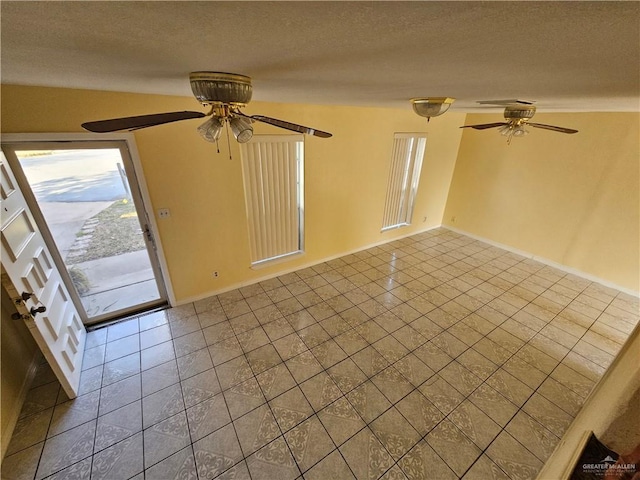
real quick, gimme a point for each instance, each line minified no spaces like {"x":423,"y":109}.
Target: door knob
{"x":24,"y":296}
{"x":36,"y":310}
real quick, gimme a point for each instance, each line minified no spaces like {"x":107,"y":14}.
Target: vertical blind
{"x":404,"y":175}
{"x":272,"y":167}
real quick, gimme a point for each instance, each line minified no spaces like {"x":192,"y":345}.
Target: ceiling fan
{"x":225,"y":94}
{"x":517,"y":114}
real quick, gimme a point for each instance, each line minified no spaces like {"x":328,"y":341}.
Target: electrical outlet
{"x":215,"y":274}
{"x":164,"y":213}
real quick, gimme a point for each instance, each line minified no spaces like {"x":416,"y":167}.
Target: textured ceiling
{"x":567,"y":56}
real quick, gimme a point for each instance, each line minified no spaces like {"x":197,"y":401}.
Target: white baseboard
{"x":12,"y":416}
{"x":298,"y":267}
{"x":546,"y":261}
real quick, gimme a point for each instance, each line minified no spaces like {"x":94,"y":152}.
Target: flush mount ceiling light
{"x":431,"y":106}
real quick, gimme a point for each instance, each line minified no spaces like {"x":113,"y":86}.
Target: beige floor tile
{"x":365,"y":455}
{"x":181,"y":464}
{"x":290,"y":408}
{"x":67,"y":448}
{"x":340,"y":420}
{"x":393,"y":385}
{"x":243,"y":397}
{"x":256,"y":429}
{"x":309,"y":442}
{"x":432,"y":356}
{"x":485,"y":469}
{"x":524,"y":372}
{"x":320,"y":390}
{"x":573,"y":380}
{"x":370,"y":361}
{"x":494,"y":404}
{"x":423,"y":463}
{"x":252,"y":339}
{"x":159,"y":377}
{"x":275,"y":381}
{"x":395,"y":432}
{"x":332,"y":466}
{"x":30,"y":430}
{"x":207,"y":416}
{"x":439,"y":392}
{"x":479,"y":365}
{"x":453,"y":447}
{"x":537,"y":439}
{"x":216,"y":453}
{"x":513,"y":458}
{"x":201,"y":386}
{"x":24,"y":463}
{"x":122,"y":460}
{"x":422,"y":414}
{"x":475,"y":424}
{"x":460,"y":378}
{"x":563,"y":397}
{"x":118,"y":425}
{"x":548,"y":414}
{"x":303,"y":366}
{"x":418,"y":351}
{"x":274,"y":460}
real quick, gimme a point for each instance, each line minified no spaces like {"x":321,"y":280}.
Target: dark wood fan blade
{"x":288,"y":125}
{"x":484,"y":126}
{"x":552,"y":127}
{"x":511,"y":101}
{"x":141,"y":121}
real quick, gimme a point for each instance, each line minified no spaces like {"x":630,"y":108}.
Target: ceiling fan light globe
{"x":242,"y":130}
{"x":211,"y":129}
{"x":505,"y":131}
{"x":520,"y":131}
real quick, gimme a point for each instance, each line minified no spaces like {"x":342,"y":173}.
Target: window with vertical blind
{"x":273,"y":174}
{"x":404,"y":176}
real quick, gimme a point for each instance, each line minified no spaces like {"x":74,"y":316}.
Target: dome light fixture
{"x":431,"y":106}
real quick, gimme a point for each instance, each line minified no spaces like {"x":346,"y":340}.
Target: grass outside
{"x":117,"y":232}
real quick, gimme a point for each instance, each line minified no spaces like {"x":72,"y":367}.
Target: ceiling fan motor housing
{"x":519,"y":112}
{"x":221,"y":88}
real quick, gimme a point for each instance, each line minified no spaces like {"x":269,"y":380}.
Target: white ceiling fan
{"x":225,"y":94}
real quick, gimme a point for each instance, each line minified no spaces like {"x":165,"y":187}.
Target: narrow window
{"x":404,"y":176}
{"x":273,"y":174}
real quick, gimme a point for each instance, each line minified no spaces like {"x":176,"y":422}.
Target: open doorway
{"x":88,"y":198}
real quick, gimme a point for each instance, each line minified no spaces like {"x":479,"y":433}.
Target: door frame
{"x":139,"y":179}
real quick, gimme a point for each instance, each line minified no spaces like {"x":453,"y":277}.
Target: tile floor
{"x":435,"y":356}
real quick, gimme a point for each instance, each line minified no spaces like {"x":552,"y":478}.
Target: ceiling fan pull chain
{"x":226,"y":124}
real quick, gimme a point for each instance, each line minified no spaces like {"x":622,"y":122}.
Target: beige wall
{"x":345,"y":176}
{"x":17,"y":359}
{"x":571,"y":199}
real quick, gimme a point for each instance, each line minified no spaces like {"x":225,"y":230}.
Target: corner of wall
{"x":20,"y":355}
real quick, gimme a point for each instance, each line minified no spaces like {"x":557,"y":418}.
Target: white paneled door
{"x":33,"y":282}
